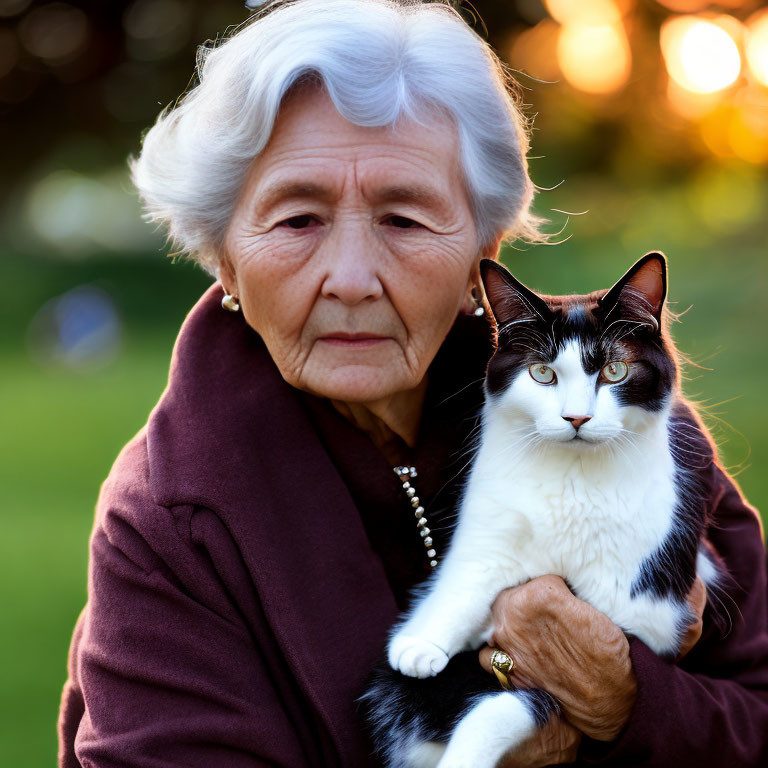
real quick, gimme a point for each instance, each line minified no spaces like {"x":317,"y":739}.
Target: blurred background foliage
{"x":650,"y":132}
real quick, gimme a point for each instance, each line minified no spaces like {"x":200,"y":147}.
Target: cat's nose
{"x":577,"y":421}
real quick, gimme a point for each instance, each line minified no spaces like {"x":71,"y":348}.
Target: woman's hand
{"x":568,"y":648}
{"x":554,"y":744}
{"x":697,"y":599}
{"x":573,"y":651}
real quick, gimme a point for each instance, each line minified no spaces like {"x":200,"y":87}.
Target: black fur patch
{"x":625,"y":322}
{"x":399,"y":708}
{"x":394,"y":701}
{"x":671,"y":569}
{"x":607,"y":325}
{"x":541,"y":705}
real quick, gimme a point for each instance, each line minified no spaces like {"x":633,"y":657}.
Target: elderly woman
{"x":342,"y":167}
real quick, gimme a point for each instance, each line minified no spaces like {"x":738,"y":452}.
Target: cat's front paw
{"x":416,"y":657}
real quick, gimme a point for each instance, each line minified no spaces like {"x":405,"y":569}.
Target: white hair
{"x":377,"y":59}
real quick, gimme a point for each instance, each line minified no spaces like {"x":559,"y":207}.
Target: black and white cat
{"x":586,"y":468}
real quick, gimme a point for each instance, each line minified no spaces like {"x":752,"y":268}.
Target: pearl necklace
{"x":406,"y":474}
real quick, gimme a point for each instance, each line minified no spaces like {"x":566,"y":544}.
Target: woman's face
{"x":351,"y":249}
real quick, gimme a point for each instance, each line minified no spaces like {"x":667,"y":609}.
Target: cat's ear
{"x":641,"y":291}
{"x":510,"y":300}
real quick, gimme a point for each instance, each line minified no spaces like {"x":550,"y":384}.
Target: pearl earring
{"x":230,"y":302}
{"x":479,"y":310}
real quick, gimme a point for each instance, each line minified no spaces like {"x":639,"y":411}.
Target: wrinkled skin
{"x":556,"y":743}
{"x":567,"y":647}
{"x":348,"y":258}
{"x":376,"y":235}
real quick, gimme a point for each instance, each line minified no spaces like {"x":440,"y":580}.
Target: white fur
{"x":426,"y":754}
{"x":538,"y":502}
{"x":488,"y":731}
{"x":707,"y":570}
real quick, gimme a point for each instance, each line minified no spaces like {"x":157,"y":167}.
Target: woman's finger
{"x":697,"y":599}
{"x":556,"y":743}
{"x":566,"y":647}
{"x":518,"y":677}
{"x":485,"y":658}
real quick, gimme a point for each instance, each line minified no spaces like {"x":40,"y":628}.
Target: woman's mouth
{"x":353,"y":340}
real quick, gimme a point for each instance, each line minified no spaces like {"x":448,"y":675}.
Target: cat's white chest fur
{"x":590,"y":516}
{"x":582,"y":471}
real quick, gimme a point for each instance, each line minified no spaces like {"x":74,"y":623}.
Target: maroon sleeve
{"x":712,"y":708}
{"x":165,"y":670}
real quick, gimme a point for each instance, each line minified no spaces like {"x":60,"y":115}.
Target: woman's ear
{"x":474,"y":289}
{"x":491,"y":251}
{"x":226,"y":275}
{"x":475,"y":282}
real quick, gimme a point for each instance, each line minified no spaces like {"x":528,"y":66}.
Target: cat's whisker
{"x":520,"y":446}
{"x":715,"y":594}
{"x":620,"y":446}
{"x":621,"y":514}
{"x":464,"y":388}
{"x":514,"y":323}
{"x":628,"y":435}
{"x":473,"y":451}
{"x":635,"y":324}
{"x":473,"y":441}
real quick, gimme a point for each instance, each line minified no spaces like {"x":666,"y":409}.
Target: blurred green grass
{"x":719,"y":334}
{"x":63,"y":429}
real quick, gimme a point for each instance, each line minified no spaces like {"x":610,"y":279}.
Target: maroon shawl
{"x":235,"y":604}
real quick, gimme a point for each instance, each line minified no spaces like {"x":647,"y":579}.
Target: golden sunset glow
{"x":716,"y":63}
{"x":684,"y":6}
{"x":757,"y":45}
{"x":594,"y":58}
{"x":592,"y":49}
{"x":590,"y":12}
{"x":700,"y":55}
{"x":535,"y":50}
{"x":689,"y":104}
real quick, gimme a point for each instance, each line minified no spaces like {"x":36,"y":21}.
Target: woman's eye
{"x":403,"y":222}
{"x":298,"y":222}
{"x":543,"y":374}
{"x":615,"y":371}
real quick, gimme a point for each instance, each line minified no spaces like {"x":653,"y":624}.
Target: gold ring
{"x":503,"y":665}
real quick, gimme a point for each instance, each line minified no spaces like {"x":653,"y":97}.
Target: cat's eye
{"x":542,"y":373}
{"x":614,"y":371}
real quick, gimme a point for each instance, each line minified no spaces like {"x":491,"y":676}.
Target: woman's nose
{"x":351,"y":264}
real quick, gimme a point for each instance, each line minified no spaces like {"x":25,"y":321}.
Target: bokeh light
{"x":9,"y":51}
{"x":594,"y":58}
{"x":79,"y":329}
{"x":592,"y":49}
{"x":155,"y":29}
{"x":748,"y":127}
{"x":757,"y":45}
{"x":700,"y":55}
{"x":690,"y":104}
{"x":535,"y":50}
{"x":10,"y":8}
{"x":589,"y":12}
{"x":75,"y":214}
{"x":56,"y":33}
{"x":684,"y":6}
